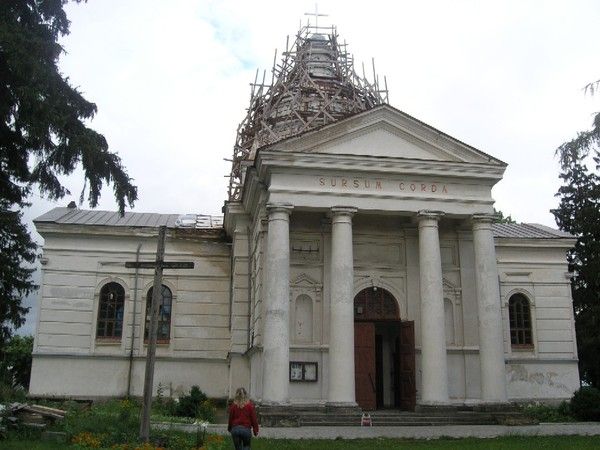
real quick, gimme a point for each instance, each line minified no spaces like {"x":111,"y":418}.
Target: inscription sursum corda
{"x":369,"y":184}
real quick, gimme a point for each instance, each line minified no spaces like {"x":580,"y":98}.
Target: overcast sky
{"x":171,"y":82}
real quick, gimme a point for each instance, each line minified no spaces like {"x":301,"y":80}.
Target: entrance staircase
{"x":322,"y":416}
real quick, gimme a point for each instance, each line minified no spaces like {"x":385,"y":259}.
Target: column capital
{"x":343,"y":211}
{"x":483,"y":221}
{"x":425,"y":214}
{"x":279,"y":207}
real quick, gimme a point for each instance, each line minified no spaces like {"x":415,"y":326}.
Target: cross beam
{"x":163,"y":265}
{"x":316,"y":15}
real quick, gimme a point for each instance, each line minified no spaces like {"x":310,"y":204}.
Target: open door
{"x":364,"y":362}
{"x":406,"y":391}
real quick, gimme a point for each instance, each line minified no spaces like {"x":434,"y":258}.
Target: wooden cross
{"x":317,"y":15}
{"x":158,"y":267}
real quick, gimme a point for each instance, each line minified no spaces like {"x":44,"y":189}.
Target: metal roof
{"x":77,"y":216}
{"x":527,"y":231}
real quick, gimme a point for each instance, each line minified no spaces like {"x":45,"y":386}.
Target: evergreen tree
{"x":43,"y":134}
{"x":579,"y":214}
{"x":501,"y":218}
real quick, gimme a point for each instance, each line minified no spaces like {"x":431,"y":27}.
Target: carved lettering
{"x":379,"y":185}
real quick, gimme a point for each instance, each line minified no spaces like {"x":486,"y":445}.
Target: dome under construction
{"x":314,"y":84}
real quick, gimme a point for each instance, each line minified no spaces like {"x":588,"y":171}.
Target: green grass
{"x":32,"y":445}
{"x":513,"y":442}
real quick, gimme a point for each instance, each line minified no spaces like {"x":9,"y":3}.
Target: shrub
{"x":195,"y":405}
{"x":9,"y":393}
{"x":585,"y":404}
{"x":113,"y":422}
{"x":15,"y":364}
{"x":547,"y":413}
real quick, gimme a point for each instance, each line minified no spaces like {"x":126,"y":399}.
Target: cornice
{"x":558,"y":242}
{"x":65,"y":229}
{"x":301,"y":162}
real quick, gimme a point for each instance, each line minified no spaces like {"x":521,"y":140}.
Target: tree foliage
{"x":15,"y":361}
{"x":579,"y":213}
{"x":501,"y":218}
{"x":43,"y":135}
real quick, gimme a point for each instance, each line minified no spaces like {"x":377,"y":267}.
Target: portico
{"x":433,"y":356}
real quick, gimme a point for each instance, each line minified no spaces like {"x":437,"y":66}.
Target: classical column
{"x":434,"y":365}
{"x":341,"y":317}
{"x":491,"y":340}
{"x":276,"y":339}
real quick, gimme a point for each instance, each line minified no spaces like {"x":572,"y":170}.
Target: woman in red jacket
{"x":242,"y":419}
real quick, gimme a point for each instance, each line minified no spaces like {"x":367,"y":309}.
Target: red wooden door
{"x":364,"y":365}
{"x":406,"y":374}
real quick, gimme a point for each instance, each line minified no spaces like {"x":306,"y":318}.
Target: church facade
{"x":358,"y":262}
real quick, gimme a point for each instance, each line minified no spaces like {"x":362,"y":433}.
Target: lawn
{"x":513,"y":442}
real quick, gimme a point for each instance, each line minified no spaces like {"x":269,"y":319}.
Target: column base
{"x":484,"y":406}
{"x":444,"y":402}
{"x":271,"y":404}
{"x":342,"y":407}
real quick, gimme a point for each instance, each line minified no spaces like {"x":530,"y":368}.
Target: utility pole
{"x":158,"y":267}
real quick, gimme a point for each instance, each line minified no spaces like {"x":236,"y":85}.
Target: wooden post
{"x":151,"y":354}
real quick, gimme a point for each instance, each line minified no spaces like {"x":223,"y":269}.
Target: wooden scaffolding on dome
{"x":314,"y":84}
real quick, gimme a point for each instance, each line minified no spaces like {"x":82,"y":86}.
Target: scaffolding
{"x":314,"y":84}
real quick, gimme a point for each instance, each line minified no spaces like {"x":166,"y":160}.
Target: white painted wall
{"x":69,"y":360}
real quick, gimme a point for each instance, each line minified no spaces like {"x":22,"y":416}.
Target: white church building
{"x":358,"y":262}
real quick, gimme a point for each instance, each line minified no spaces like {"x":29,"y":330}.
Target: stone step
{"x":391,"y":424}
{"x":408,"y":420}
{"x":352,"y":417}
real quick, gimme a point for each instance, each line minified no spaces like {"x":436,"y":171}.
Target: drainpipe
{"x":135,"y":291}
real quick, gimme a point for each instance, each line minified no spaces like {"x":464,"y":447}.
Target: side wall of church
{"x":68,"y":357}
{"x":548,"y":368}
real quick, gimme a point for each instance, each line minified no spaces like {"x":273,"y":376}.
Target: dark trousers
{"x":241,"y":437}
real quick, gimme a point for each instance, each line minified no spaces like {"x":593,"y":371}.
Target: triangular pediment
{"x":305,"y":281}
{"x":385,"y":132}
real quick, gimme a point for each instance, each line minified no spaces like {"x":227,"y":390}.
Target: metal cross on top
{"x":158,"y":267}
{"x":317,"y":15}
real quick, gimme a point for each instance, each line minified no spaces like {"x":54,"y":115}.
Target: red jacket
{"x":245,"y":417}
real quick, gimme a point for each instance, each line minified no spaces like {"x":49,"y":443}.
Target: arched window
{"x":520,"y":321}
{"x":110,"y":311}
{"x":164,"y":314}
{"x":375,"y":304}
